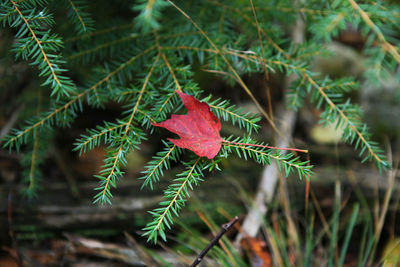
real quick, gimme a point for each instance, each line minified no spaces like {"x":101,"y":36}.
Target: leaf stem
{"x":271,"y":147}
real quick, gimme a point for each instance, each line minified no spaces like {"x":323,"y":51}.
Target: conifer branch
{"x":265,"y":146}
{"x":45,"y":58}
{"x":17,"y":140}
{"x":81,"y":19}
{"x":47,"y":63}
{"x":94,"y":137}
{"x":178,"y":86}
{"x":175,"y":195}
{"x":386,"y":46}
{"x":77,"y":14}
{"x":354,"y":127}
{"x":160,"y":161}
{"x":263,"y":156}
{"x":104,"y":195}
{"x":224,"y":110}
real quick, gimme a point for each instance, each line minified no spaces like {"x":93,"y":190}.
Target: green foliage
{"x":139,"y":65}
{"x":79,"y":16}
{"x":34,"y":41}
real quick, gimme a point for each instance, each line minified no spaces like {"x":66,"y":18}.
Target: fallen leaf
{"x":257,"y":252}
{"x":198,"y":129}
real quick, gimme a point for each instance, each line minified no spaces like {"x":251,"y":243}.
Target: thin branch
{"x":269,"y":179}
{"x":214,"y":241}
{"x":271,"y":114}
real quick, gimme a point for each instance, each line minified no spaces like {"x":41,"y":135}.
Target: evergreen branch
{"x":265,"y":146}
{"x":83,"y":22}
{"x":150,"y":13}
{"x":56,"y":81}
{"x":34,"y":155}
{"x":167,"y":100}
{"x":143,"y":88}
{"x":155,"y":167}
{"x":287,"y":162}
{"x":175,"y":199}
{"x":31,"y":160}
{"x":373,"y":150}
{"x":20,"y":134}
{"x":96,"y":136}
{"x":145,"y":114}
{"x":240,"y":12}
{"x":17,"y":139}
{"x":253,"y":58}
{"x":224,"y":110}
{"x":104,"y":195}
{"x":339,"y":18}
{"x":356,"y":130}
{"x":385,"y":44}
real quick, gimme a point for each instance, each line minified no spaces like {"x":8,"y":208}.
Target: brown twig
{"x":225,"y":227}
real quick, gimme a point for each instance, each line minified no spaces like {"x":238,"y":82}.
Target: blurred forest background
{"x":346,"y":214}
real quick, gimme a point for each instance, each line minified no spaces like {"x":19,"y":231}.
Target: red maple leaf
{"x":198,"y":129}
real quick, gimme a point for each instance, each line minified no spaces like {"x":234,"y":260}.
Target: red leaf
{"x":198,"y":129}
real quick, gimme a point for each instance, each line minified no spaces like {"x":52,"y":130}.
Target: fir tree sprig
{"x":150,"y":13}
{"x":37,"y":43}
{"x":80,"y":18}
{"x":98,"y":136}
{"x":386,"y":46}
{"x":227,"y":112}
{"x":162,"y":160}
{"x":175,"y":198}
{"x":348,"y":116}
{"x":263,"y":155}
{"x":128,"y":139}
